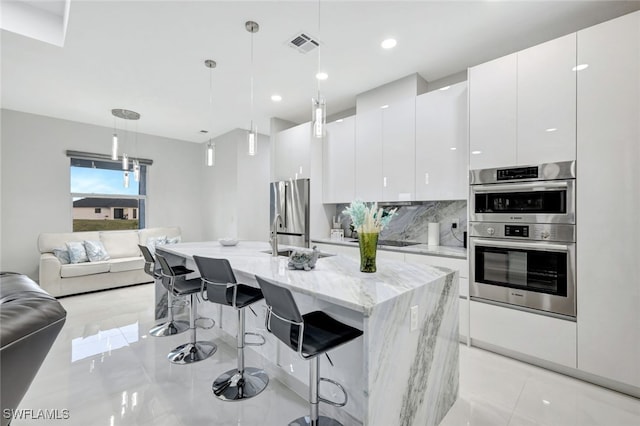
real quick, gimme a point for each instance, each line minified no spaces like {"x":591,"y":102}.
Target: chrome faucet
{"x":274,"y":235}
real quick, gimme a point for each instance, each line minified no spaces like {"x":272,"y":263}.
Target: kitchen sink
{"x":287,"y":253}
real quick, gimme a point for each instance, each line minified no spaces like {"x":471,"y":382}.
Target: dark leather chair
{"x":172,"y":326}
{"x":310,"y":335}
{"x":178,"y":285}
{"x":222,"y":288}
{"x":30,"y":321}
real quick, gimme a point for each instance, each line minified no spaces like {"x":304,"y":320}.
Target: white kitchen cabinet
{"x":368,"y":162}
{"x":547,"y":102}
{"x":522,"y":107}
{"x":339,"y":160}
{"x":398,"y":150}
{"x":441,"y":144}
{"x":292,"y":153}
{"x":608,"y":200}
{"x":540,"y":336}
{"x":385,"y":151}
{"x":493,"y":113}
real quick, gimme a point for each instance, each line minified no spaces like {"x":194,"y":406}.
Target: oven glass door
{"x":538,"y":270}
{"x":522,"y":202}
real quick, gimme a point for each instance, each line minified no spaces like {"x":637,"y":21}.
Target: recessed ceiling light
{"x":322,"y":75}
{"x":444,"y":88}
{"x":550,"y":129}
{"x":340,"y":120}
{"x":276,"y":98}
{"x":580,"y":67}
{"x":453,"y":148}
{"x":384,"y":106}
{"x":389,"y":43}
{"x":476,"y":152}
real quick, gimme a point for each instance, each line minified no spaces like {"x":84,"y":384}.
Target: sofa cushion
{"x":63,"y":255}
{"x":77,"y":252}
{"x":87,"y":268}
{"x":120,"y":244}
{"x":51,"y":240}
{"x":95,"y":251}
{"x":126,"y":264}
{"x":167,"y":232}
{"x":153,"y":242}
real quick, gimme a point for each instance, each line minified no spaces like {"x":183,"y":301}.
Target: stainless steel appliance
{"x":290,"y":200}
{"x":522,"y":241}
{"x":528,"y":194}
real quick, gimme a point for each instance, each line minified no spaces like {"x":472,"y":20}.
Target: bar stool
{"x":193,"y":351}
{"x":311,"y":335}
{"x":172,"y":326}
{"x":222,"y":288}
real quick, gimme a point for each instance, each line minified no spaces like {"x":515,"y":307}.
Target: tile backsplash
{"x":411,"y":222}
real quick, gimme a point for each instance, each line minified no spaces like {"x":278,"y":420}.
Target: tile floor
{"x":106,"y":370}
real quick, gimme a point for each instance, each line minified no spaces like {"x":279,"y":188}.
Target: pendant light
{"x":211,"y":146}
{"x":318,"y":104}
{"x":125,"y":114}
{"x":252,"y":135}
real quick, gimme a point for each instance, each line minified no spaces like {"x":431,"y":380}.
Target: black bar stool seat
{"x":171,"y":327}
{"x":192,"y":351}
{"x":222,"y":288}
{"x":311,"y":335}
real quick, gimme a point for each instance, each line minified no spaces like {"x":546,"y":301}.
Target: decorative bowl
{"x":303,"y":259}
{"x":228,"y":242}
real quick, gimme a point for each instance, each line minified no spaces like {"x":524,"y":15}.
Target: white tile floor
{"x":105,"y":370}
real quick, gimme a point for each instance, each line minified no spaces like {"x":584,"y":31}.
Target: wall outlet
{"x":414,"y":317}
{"x":455,"y":223}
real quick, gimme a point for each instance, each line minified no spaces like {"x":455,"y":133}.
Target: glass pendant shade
{"x":114,"y":147}
{"x":125,"y":162}
{"x":126,"y":179}
{"x":136,"y":170}
{"x":319,"y":115}
{"x":211,"y":154}
{"x":252,"y":139}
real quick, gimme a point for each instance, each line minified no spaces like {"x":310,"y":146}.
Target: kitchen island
{"x":400,"y":372}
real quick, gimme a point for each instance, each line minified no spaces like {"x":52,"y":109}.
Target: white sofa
{"x":125,"y":266}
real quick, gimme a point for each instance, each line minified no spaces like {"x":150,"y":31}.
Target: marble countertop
{"x":336,"y":279}
{"x":444,"y":251}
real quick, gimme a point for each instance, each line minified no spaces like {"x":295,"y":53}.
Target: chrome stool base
{"x":322,"y":421}
{"x":169,"y":328}
{"x":192,"y":352}
{"x":233,"y":386}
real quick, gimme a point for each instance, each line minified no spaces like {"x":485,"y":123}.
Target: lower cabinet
{"x":539,"y":336}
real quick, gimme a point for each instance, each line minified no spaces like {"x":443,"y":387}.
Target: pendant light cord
{"x":251,"y":129}
{"x":319,"y":49}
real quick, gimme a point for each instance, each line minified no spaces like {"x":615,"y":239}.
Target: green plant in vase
{"x":368,"y":221}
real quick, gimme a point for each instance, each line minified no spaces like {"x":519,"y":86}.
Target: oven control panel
{"x":528,"y":231}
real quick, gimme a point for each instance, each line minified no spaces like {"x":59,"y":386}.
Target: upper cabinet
{"x":522,"y":107}
{"x":385,"y":150}
{"x":339,"y":151}
{"x":492,"y":113}
{"x":292,"y":153}
{"x":441,"y":144}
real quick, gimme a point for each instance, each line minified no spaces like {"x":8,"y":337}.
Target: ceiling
{"x":148,"y":56}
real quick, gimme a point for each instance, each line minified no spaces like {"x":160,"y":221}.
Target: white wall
{"x":35,"y":180}
{"x":235,"y":193}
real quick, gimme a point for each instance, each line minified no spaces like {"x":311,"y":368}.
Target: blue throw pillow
{"x":174,"y":240}
{"x":152,"y":242}
{"x":96,"y":251}
{"x":63,"y":255}
{"x":77,"y":253}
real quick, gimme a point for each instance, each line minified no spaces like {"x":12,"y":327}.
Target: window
{"x":99,"y":199}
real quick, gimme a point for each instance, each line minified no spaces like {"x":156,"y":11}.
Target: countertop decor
{"x":368,"y":222}
{"x":303,"y":259}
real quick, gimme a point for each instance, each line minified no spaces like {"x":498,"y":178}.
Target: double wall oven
{"x":522,"y":237}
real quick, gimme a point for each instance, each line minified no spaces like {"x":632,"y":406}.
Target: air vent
{"x":303,"y":42}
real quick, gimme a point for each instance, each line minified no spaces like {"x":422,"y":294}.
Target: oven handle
{"x":532,"y":186}
{"x":517,"y":245}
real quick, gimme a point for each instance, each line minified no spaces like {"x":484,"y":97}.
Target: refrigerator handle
{"x":286,"y":205}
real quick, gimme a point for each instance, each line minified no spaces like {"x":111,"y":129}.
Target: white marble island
{"x":394,"y":375}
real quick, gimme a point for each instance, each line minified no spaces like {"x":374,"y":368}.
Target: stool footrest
{"x":339,"y":386}
{"x":213,"y":323}
{"x":260,"y":343}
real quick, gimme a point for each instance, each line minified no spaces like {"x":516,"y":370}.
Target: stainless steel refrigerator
{"x":290,"y":199}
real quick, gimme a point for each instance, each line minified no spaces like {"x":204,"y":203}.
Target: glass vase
{"x":368,"y":242}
